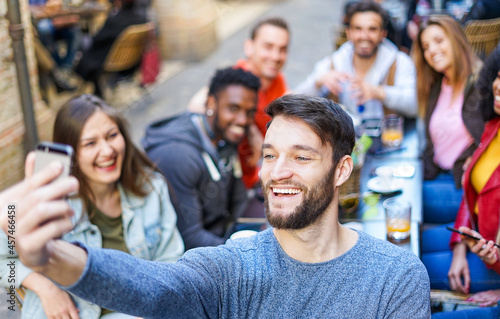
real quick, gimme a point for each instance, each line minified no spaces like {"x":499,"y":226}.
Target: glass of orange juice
{"x":397,"y":218}
{"x":392,"y":130}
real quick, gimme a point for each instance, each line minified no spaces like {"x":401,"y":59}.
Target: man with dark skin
{"x":197,"y":153}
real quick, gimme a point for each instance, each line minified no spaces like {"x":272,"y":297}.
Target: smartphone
{"x":465,"y":234}
{"x":48,"y":152}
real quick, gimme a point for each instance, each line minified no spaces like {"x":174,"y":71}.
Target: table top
{"x":372,"y":217}
{"x":88,"y":8}
{"x":411,"y":147}
{"x":410,"y":189}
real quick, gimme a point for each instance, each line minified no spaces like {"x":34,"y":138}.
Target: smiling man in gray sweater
{"x":306,"y":266}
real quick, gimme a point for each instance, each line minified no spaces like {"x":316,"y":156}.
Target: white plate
{"x":243,"y":234}
{"x":384,"y":171}
{"x":385,"y":185}
{"x":406,"y":171}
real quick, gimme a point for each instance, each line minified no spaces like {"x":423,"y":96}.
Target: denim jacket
{"x":149,"y":229}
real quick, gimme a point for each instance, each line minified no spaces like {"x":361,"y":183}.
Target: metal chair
{"x":126,"y":51}
{"x":483,"y":35}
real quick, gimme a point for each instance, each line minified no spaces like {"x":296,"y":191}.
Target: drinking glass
{"x":397,"y":218}
{"x":392,"y":130}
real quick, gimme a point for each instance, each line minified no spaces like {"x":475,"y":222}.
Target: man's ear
{"x":343,"y":170}
{"x":384,"y":34}
{"x":248,"y":48}
{"x":211,"y":103}
{"x":347,"y":33}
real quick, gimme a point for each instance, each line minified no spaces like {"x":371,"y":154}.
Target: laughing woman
{"x":122,"y":204}
{"x":446,"y":73}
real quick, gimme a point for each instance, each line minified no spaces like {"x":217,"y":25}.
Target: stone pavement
{"x":312,"y":25}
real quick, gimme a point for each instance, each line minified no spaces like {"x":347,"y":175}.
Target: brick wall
{"x":11,"y":116}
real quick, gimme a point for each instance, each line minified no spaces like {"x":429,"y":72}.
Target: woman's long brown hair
{"x":70,"y":119}
{"x":465,"y":62}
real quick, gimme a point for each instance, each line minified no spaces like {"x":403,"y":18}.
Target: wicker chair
{"x":341,"y":36}
{"x":483,"y":35}
{"x":126,"y":51}
{"x":18,"y":296}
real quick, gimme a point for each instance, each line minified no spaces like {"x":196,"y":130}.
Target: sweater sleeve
{"x":308,"y":86}
{"x":120,"y":282}
{"x":402,"y":96}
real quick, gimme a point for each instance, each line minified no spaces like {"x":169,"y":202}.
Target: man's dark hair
{"x":277,"y":22}
{"x":231,"y":76}
{"x":368,"y":6}
{"x":325,"y":117}
{"x":127,"y":4}
{"x":484,"y":84}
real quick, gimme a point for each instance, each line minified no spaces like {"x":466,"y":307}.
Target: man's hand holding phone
{"x":40,"y":213}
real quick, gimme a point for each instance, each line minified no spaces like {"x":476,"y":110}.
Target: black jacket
{"x":93,"y":59}
{"x":207,"y":205}
{"x":483,"y":10}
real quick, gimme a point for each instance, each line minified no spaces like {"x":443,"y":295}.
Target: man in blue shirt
{"x":307,"y":266}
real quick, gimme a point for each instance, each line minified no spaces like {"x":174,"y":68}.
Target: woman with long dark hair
{"x":470,"y":265}
{"x":446,"y":73}
{"x":122,"y":204}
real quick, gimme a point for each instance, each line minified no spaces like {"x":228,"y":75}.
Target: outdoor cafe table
{"x":372,"y":218}
{"x":86,"y":10}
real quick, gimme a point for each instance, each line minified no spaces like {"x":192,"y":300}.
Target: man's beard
{"x":316,"y":201}
{"x":370,"y":54}
{"x":220,"y":132}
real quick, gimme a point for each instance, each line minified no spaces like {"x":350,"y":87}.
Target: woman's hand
{"x":459,"y":274}
{"x":482,"y":248}
{"x":486,"y":298}
{"x":57,"y":304}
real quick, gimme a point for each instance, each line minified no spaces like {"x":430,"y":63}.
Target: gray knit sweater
{"x":254,"y":278}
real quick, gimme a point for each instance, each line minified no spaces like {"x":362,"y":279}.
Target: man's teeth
{"x":286,"y":190}
{"x":106,"y":164}
{"x":497,"y":98}
{"x":238,"y":129}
